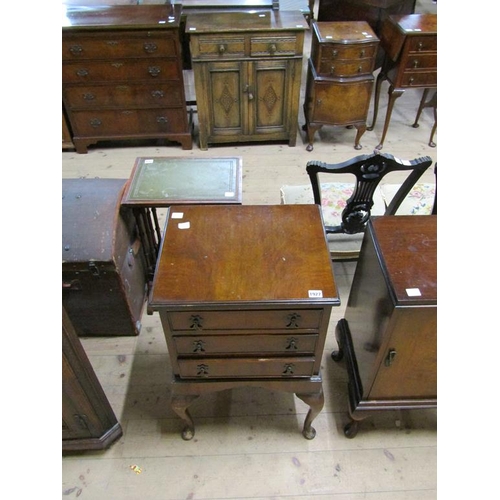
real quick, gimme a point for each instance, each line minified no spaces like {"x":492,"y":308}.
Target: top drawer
{"x":121,"y":45}
{"x":246,"y":320}
{"x":422,"y":44}
{"x":335,"y":52}
{"x":267,"y":46}
{"x":210,"y":46}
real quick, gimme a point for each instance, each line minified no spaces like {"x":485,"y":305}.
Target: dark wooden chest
{"x":103,"y":266}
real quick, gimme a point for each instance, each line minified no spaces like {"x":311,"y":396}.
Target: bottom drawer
{"x":246,"y":368}
{"x":129,"y":122}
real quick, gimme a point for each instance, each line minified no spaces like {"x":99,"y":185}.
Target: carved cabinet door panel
{"x":267,"y":96}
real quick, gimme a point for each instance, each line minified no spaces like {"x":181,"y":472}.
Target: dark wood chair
{"x":347,"y":206}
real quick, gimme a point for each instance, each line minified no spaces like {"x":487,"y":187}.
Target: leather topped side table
{"x":244,"y":295}
{"x":410,"y":44}
{"x":165,"y":181}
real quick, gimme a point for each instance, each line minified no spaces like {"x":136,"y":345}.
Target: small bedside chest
{"x":389,"y":333}
{"x":243,"y":303}
{"x":340,"y":77}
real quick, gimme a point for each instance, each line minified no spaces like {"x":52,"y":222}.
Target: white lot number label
{"x":315,"y":294}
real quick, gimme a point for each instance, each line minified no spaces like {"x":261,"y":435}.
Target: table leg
{"x":179,"y":404}
{"x":360,"y":131}
{"x":380,"y":78}
{"x":393,"y":95}
{"x":315,"y":401}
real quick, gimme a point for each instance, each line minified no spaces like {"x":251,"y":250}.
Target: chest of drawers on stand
{"x":340,"y":77}
{"x":247,"y":309}
{"x":410,"y":62}
{"x":122,"y":74}
{"x":247,"y":73}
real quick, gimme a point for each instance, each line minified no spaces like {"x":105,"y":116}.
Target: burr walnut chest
{"x":247,"y":72}
{"x":122,"y":74}
{"x":340,"y":76}
{"x":244,"y":295}
{"x":389,"y":332}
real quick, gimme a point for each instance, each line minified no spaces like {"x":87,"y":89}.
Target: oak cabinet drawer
{"x":120,"y":70}
{"x":129,"y":121}
{"x":266,"y":46}
{"x":124,"y":95}
{"x":214,"y":46}
{"x":422,"y":44}
{"x":117,"y":46}
{"x":243,"y":321}
{"x":286,"y":345}
{"x":246,"y":368}
{"x":346,"y":68}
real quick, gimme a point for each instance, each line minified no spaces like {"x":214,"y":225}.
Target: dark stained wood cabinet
{"x":247,"y":71}
{"x":242,"y":304}
{"x":122,"y":74}
{"x":389,"y":333}
{"x":88,"y":421}
{"x":340,"y":77}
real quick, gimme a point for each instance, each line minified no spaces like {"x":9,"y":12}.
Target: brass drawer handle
{"x":389,"y":359}
{"x":154,"y":70}
{"x":88,"y":96}
{"x":222,"y":48}
{"x":420,"y":46}
{"x":415,"y":63}
{"x":292,"y":320}
{"x":291,"y":344}
{"x":196,"y":322}
{"x":272,"y":48}
{"x":202,"y":370}
{"x":150,"y":47}
{"x":95,"y":122}
{"x":76,"y":50}
{"x":157,"y":93}
{"x":335,"y":53}
{"x":82,"y":72}
{"x":332,"y":70}
{"x":362,"y":53}
{"x":288,"y":369}
{"x":360,"y":69}
{"x":198,"y":346}
{"x":161,"y":119}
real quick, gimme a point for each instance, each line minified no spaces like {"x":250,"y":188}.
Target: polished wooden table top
{"x":241,"y":254}
{"x":166,"y":181}
{"x":407,"y":246}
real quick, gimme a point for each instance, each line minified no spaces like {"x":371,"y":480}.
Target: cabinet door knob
{"x":389,"y":359}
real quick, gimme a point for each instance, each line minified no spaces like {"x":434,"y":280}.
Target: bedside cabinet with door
{"x":389,"y":332}
{"x":340,"y":77}
{"x":247,"y":72}
{"x":122,"y":74}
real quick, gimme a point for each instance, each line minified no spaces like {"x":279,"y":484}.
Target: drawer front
{"x":419,"y":79}
{"x":128,"y":122}
{"x":121,"y":70}
{"x":245,"y":320}
{"x":422,"y":44}
{"x":117,"y":46}
{"x":268,"y":46}
{"x":421,"y":61}
{"x":93,"y":96}
{"x":208,"y":345}
{"x":334,"y":52}
{"x":282,"y":368}
{"x":218,"y":47}
{"x":341,"y":68}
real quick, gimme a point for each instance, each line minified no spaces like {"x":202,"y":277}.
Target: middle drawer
{"x":282,"y":344}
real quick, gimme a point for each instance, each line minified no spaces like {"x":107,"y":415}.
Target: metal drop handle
{"x":389,"y":359}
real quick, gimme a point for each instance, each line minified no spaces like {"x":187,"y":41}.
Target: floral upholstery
{"x":419,"y":201}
